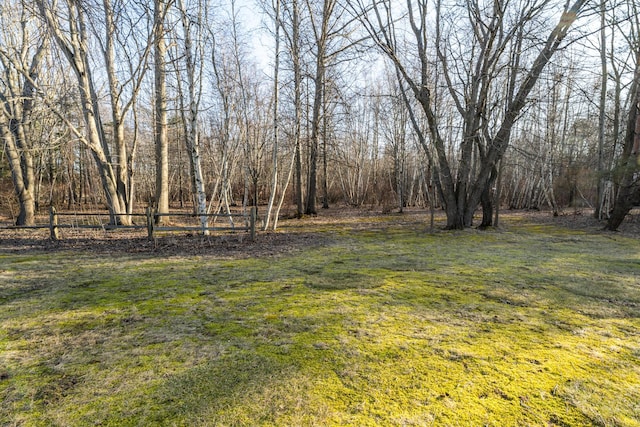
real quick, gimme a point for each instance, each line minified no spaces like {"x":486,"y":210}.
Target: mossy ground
{"x":533,"y":325}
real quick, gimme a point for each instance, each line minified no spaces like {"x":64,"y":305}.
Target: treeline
{"x":208,"y":105}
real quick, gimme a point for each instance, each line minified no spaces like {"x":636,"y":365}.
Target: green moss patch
{"x":531,"y":325}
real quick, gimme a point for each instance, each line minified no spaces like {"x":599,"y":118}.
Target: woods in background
{"x":467,"y":107}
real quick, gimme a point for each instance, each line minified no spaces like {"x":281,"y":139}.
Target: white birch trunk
{"x":276,"y":93}
{"x":191,"y":128}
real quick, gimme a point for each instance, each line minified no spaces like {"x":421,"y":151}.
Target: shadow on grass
{"x":243,"y":388}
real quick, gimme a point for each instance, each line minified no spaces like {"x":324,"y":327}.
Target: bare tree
{"x":119,"y":35}
{"x":67,"y":23}
{"x":602,"y":116}
{"x":20,"y":62}
{"x":474,"y":76}
{"x":227,"y":143}
{"x":160,"y":9}
{"x":291,"y":31}
{"x":327,"y":23}
{"x":276,"y":131}
{"x":629,"y":163}
{"x":192,"y":56}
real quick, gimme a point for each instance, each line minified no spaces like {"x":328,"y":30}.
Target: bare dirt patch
{"x":122,"y":242}
{"x":292,"y":235}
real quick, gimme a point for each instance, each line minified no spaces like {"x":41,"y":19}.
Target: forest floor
{"x":292,"y":234}
{"x":350,"y":318}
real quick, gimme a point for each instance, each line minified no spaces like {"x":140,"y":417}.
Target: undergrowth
{"x":388,"y":325}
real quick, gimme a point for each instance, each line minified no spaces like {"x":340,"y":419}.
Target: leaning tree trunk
{"x":22,"y":171}
{"x":502,"y":138}
{"x":629,"y":182}
{"x":72,"y":39}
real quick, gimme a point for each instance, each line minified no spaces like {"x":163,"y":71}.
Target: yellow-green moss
{"x":535,"y":325}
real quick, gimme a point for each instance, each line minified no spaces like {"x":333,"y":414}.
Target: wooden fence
{"x":247,"y":223}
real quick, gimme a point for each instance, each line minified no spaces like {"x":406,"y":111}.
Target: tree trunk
{"x":191,"y":120}
{"x":312,"y":187}
{"x":14,"y":135}
{"x":602,"y":114}
{"x":487,"y":201}
{"x":297,"y":83}
{"x":276,"y":134}
{"x":325,"y":178}
{"x":629,"y":183}
{"x":161,"y":139}
{"x":20,"y":174}
{"x":322,"y":35}
{"x":119,"y":143}
{"x":74,"y":46}
{"x":123,"y":158}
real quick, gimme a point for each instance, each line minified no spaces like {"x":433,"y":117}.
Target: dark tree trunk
{"x":629,"y":188}
{"x":487,"y":210}
{"x":486,"y":201}
{"x":628,"y":197}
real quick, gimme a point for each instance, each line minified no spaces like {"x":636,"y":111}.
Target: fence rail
{"x":248,"y":222}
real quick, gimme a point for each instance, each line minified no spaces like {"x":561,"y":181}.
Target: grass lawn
{"x":381,"y":325}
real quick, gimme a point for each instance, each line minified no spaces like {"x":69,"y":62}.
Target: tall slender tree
{"x":119,"y":55}
{"x":276,"y":121}
{"x":602,"y":123}
{"x":20,"y":64}
{"x":291,"y":31}
{"x":192,"y":56}
{"x":160,"y":9}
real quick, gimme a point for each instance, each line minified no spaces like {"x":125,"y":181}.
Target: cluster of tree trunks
{"x":486,"y":127}
{"x":460,"y":84}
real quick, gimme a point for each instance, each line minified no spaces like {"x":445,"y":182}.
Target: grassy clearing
{"x":533,"y":325}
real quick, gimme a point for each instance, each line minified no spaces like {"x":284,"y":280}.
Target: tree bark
{"x":276,"y":122}
{"x":463,"y":193}
{"x":20,"y":175}
{"x":17,"y":105}
{"x":160,"y":123}
{"x":191,"y":120}
{"x":121,"y":155}
{"x":321,"y":34}
{"x":74,"y":45}
{"x":312,"y":187}
{"x":297,"y":83}
{"x":602,"y":114}
{"x":629,"y":163}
